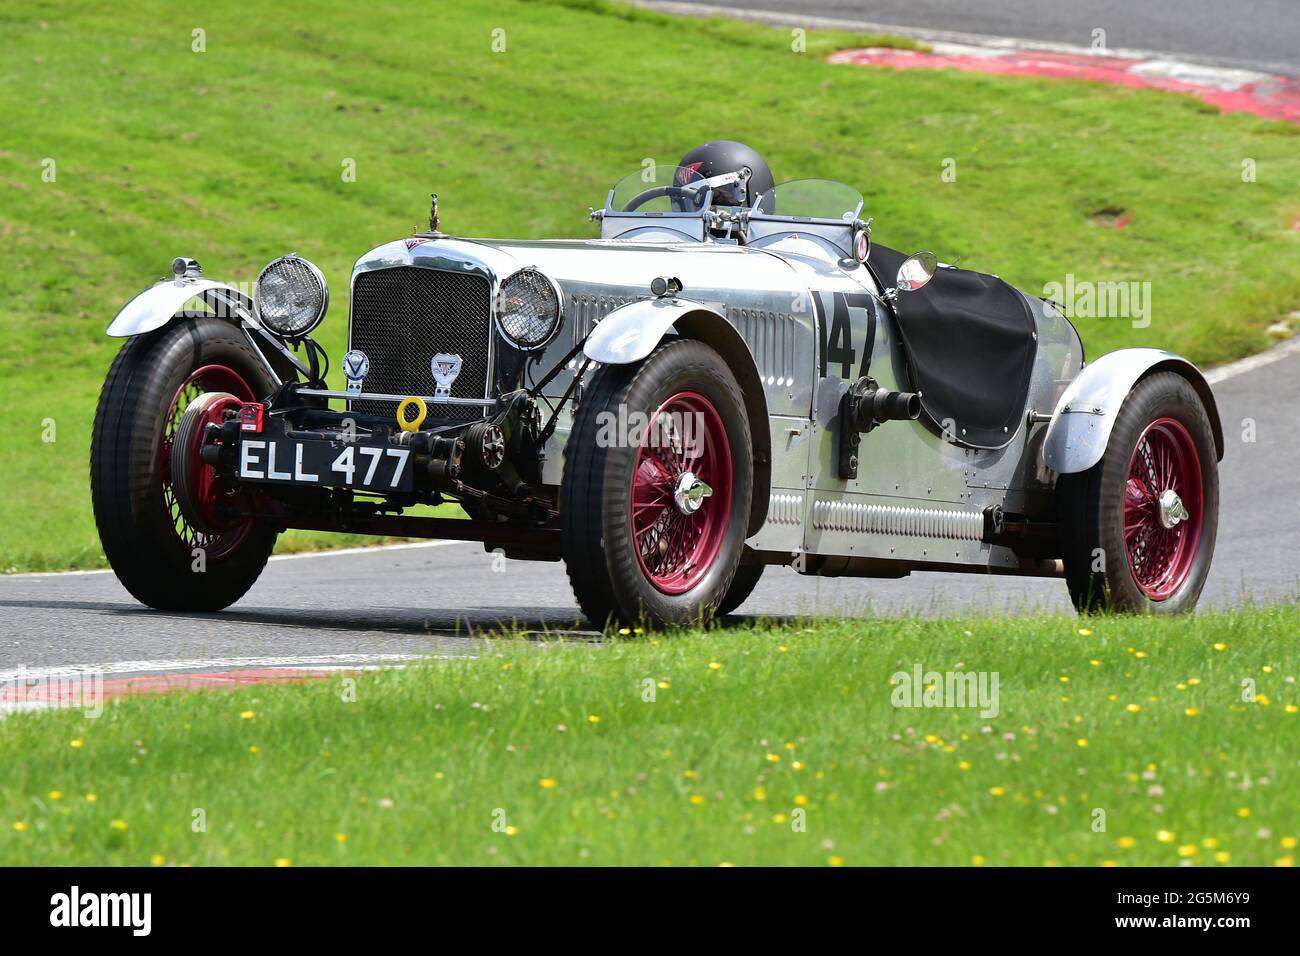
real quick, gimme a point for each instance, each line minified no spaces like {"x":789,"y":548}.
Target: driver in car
{"x":737,"y":174}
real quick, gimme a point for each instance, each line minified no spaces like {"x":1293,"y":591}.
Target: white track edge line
{"x":327,"y":553}
{"x":1278,"y":352}
{"x":155,"y":667}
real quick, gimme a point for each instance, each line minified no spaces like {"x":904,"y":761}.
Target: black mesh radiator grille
{"x":402,"y":317}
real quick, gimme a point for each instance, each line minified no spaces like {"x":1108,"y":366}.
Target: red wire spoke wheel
{"x":654,"y":523}
{"x":681,"y":492}
{"x":1163,"y":508}
{"x":167,"y":560}
{"x":1138,"y":527}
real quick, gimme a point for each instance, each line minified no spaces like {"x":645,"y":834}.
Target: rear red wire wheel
{"x":1137,"y":528}
{"x":677,"y":540}
{"x":1163,"y":508}
{"x":203,"y":490}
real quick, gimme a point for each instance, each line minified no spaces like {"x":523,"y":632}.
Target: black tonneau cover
{"x":970,"y":341}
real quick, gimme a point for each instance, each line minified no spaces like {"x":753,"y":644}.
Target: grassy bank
{"x":322,"y":128}
{"x":748,"y":747}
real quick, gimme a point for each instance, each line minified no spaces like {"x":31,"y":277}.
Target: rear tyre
{"x":1138,"y":528}
{"x":658,"y":477}
{"x":158,"y":555}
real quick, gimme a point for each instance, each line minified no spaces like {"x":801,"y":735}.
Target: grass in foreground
{"x":553,"y":754}
{"x":237,"y":154}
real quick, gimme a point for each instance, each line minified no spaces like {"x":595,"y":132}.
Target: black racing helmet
{"x":724,"y":156}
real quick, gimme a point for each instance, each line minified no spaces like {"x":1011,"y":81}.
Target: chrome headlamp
{"x":528,"y":309}
{"x":291,"y":296}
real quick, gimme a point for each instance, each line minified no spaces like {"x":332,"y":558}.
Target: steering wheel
{"x":675,"y":193}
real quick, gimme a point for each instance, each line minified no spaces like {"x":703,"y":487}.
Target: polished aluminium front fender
{"x":156,"y":306}
{"x":1085,"y":413}
{"x":630,"y":333}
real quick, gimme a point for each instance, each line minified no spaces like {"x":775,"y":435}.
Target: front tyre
{"x":1138,"y":528}
{"x":155,"y":551}
{"x":658,"y":477}
{"x":742,"y":586}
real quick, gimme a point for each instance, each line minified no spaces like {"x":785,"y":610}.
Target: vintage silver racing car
{"x":732,"y":376}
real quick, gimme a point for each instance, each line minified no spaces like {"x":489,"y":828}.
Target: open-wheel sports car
{"x":732,"y":376}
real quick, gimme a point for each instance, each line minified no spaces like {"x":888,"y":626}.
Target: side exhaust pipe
{"x":864,"y":406}
{"x":879,"y":406}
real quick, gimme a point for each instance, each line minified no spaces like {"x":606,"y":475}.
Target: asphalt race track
{"x":1252,"y":34}
{"x":380,"y":605}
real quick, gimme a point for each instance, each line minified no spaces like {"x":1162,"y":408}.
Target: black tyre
{"x":163,"y":560}
{"x":658,"y":477}
{"x":742,"y":586}
{"x":1138,"y":528}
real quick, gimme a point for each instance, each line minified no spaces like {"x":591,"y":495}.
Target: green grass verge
{"x":236,"y":155}
{"x":559,"y":743}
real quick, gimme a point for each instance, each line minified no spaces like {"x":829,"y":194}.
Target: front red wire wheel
{"x":681,"y":492}
{"x":218,"y":536}
{"x":1163,"y":508}
{"x":656,"y":510}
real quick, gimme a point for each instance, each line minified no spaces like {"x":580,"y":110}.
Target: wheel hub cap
{"x":690,"y":493}
{"x":1171,"y":508}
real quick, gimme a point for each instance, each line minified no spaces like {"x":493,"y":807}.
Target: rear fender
{"x":1085,"y":414}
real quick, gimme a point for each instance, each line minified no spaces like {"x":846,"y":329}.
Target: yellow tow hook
{"x":418,"y":402}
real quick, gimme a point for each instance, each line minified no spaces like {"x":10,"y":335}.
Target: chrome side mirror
{"x":916,"y":271}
